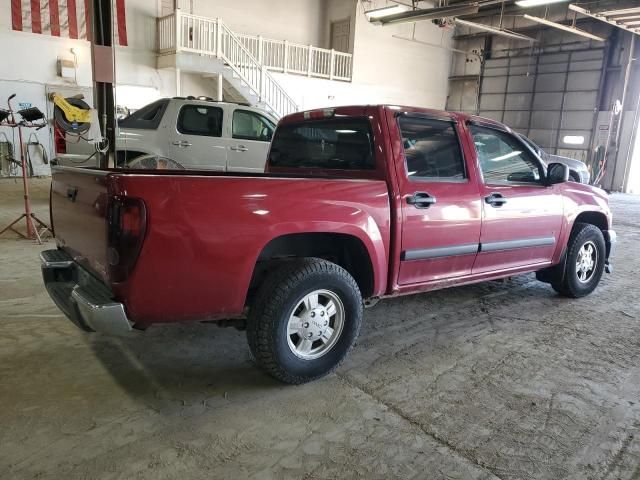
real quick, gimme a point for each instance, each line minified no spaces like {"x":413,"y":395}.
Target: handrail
{"x":291,"y":57}
{"x":254,"y":74}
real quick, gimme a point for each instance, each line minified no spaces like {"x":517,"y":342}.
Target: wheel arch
{"x":598,"y":219}
{"x":346,"y":250}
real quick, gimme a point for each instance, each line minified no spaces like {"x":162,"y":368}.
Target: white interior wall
{"x":400,"y":71}
{"x":298,"y":21}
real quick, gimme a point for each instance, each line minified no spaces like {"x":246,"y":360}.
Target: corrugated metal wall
{"x":546,"y":97}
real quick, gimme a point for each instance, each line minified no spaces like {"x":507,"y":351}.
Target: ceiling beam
{"x":495,"y":31}
{"x":565,"y":28}
{"x":603,"y":18}
{"x":624,"y":11}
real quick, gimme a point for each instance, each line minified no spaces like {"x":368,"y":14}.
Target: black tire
{"x":275,"y":302}
{"x":574,"y":177}
{"x":570,"y":285}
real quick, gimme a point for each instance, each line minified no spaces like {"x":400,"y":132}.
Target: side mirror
{"x":557,"y":173}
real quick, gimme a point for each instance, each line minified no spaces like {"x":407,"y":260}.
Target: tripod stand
{"x":30,"y":116}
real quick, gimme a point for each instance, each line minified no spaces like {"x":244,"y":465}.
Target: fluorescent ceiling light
{"x":412,"y":16}
{"x":385,"y":11}
{"x":536,"y":3}
{"x":497,"y":31}
{"x":573,"y":139}
{"x":566,"y":28}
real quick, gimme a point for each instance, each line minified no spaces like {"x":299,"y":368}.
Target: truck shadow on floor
{"x":182,"y":366}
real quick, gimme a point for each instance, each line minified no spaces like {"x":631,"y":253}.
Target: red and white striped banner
{"x":63,"y":18}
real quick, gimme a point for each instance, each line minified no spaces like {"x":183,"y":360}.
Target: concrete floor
{"x":498,"y":380}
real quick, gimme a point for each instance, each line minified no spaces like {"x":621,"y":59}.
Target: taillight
{"x":127,"y":227}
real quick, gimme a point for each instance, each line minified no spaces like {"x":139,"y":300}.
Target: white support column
{"x":219,"y":92}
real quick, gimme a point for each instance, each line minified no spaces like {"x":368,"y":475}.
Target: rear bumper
{"x":610,"y":240}
{"x":84,"y":299}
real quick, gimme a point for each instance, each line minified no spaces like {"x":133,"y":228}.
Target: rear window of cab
{"x":334,"y":143}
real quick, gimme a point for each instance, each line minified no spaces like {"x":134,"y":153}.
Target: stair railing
{"x":206,"y":36}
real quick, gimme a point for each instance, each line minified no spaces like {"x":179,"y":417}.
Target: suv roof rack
{"x":203,"y":98}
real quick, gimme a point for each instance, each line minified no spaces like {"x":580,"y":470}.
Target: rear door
{"x":522,"y":217}
{"x":196,"y":142}
{"x":251,"y":134}
{"x":441,"y":211}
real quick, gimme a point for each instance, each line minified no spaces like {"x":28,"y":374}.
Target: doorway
{"x":340,"y":32}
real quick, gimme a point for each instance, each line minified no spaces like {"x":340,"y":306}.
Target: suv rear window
{"x":341,"y":144}
{"x":148,"y":117}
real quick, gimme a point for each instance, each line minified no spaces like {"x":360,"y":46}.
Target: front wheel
{"x":586,"y":253}
{"x":305,"y":319}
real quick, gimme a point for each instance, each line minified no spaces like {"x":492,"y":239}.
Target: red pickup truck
{"x":357,"y":204}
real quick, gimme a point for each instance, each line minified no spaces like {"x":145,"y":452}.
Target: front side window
{"x":249,"y":125}
{"x":431,"y":149}
{"x":341,"y":144}
{"x":503,"y":159}
{"x":200,"y":120}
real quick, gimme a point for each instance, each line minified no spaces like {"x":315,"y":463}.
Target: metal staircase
{"x":207,"y":46}
{"x":224,"y":53}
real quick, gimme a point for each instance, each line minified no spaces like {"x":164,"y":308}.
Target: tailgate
{"x":79,"y":214}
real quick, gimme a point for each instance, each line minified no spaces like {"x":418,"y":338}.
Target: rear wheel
{"x":585,"y":262}
{"x":305,"y":319}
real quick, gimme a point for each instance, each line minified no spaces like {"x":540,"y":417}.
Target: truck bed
{"x":205,"y":231}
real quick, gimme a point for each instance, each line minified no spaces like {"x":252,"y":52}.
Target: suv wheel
{"x":305,"y":319}
{"x":585,"y":262}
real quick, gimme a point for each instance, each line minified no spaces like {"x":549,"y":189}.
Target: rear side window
{"x":200,"y":120}
{"x":148,"y":117}
{"x":431,"y":149}
{"x":247,"y":125}
{"x":341,"y":144}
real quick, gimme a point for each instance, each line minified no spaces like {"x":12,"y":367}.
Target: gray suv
{"x":577,"y":169}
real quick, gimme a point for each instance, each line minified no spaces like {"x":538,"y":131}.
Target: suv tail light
{"x":127,"y":227}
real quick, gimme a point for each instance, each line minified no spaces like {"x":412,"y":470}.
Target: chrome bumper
{"x":610,"y":240}
{"x":84,"y":299}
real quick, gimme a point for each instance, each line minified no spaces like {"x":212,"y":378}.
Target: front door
{"x":251,"y":135}
{"x":441,"y":211}
{"x":522,"y":217}
{"x":196,"y":141}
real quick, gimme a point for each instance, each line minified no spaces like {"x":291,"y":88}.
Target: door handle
{"x":72,"y":193}
{"x":495,"y":200}
{"x":239,"y":148}
{"x":421,"y":200}
{"x":182,"y":143}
